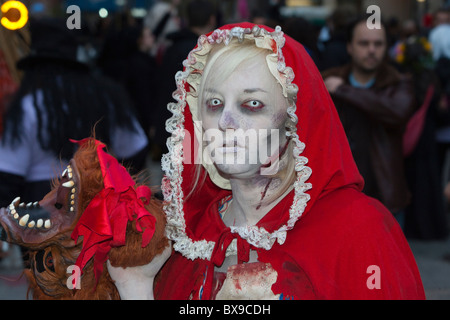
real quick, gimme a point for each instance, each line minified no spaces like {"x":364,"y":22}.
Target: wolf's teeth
{"x":16,"y":201}
{"x":31,"y":224}
{"x":39,"y":223}
{"x":47,"y":224}
{"x":68,"y":184}
{"x":23,"y":221}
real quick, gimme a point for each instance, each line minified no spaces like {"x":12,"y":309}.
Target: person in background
{"x":163,"y":18}
{"x":200,"y":19}
{"x":440,"y":41}
{"x":441,"y":16}
{"x":374,"y":103}
{"x":425,"y":215}
{"x":304,"y":32}
{"x":440,"y":35}
{"x":7,"y":88}
{"x":59,"y":99}
{"x":126,"y":59}
{"x":333,"y":49}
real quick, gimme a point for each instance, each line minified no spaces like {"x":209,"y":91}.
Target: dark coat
{"x":374,"y":120}
{"x":182,"y":43}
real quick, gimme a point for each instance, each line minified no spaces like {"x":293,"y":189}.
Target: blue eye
{"x":253,"y":105}
{"x":214,"y":103}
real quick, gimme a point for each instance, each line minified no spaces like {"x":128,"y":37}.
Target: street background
{"x":433,"y":257}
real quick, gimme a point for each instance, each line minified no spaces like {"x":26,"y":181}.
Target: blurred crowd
{"x":117,"y":75}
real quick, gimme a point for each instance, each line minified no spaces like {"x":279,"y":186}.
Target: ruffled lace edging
{"x":172,"y":162}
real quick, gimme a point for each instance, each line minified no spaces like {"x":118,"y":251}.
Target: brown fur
{"x":53,"y":284}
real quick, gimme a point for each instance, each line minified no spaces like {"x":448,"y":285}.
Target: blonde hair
{"x":229,"y":58}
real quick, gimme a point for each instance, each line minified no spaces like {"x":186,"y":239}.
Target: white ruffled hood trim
{"x":172,"y":162}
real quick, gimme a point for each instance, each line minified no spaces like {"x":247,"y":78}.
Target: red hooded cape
{"x":344,"y":245}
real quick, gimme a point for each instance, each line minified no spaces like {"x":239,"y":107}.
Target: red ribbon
{"x":218,"y":257}
{"x":104,"y":222}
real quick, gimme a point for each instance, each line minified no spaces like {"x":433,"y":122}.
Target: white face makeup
{"x":244,"y":118}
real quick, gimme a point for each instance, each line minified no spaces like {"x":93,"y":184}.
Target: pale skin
{"x":249,"y":99}
{"x":246,"y":100}
{"x":367,"y":49}
{"x":136,"y":283}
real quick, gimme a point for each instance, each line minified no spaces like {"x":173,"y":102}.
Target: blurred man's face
{"x":367,"y":48}
{"x":441,"y":18}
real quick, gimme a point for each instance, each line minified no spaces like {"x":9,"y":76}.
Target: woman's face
{"x":244,"y":119}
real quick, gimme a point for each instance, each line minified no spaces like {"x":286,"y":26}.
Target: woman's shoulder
{"x":347,"y":210}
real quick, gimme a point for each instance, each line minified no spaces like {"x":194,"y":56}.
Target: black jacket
{"x":183,"y":42}
{"x":374,"y":120}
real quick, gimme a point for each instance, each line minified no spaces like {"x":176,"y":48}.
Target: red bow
{"x":218,"y":257}
{"x":104,"y":222}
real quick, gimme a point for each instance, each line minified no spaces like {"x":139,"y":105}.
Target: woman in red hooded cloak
{"x":293,"y":224}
